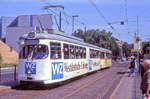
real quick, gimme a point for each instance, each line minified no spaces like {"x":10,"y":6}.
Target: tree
{"x":127,"y":49}
{"x":100,"y":38}
{"x":145,"y":46}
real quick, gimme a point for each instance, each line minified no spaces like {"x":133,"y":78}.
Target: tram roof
{"x":63,"y":37}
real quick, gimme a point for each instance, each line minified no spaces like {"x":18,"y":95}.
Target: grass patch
{"x":7,"y":65}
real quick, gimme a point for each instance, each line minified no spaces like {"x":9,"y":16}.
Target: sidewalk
{"x":128,"y":88}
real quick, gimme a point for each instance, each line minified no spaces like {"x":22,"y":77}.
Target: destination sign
{"x":35,"y":41}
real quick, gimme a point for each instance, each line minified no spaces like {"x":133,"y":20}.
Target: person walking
{"x":145,"y":83}
{"x":132,"y":66}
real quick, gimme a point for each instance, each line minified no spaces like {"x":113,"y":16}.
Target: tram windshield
{"x":34,"y":52}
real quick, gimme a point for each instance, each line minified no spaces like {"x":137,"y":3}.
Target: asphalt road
{"x":98,"y":85}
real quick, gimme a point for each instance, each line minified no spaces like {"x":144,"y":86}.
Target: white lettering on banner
{"x":57,"y":68}
{"x":75,"y":66}
{"x":69,"y":67}
{"x":30,"y":67}
{"x":61,"y":69}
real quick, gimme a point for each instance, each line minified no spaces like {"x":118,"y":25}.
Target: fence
{"x":8,"y":74}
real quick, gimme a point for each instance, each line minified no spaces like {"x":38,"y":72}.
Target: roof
{"x":62,"y":37}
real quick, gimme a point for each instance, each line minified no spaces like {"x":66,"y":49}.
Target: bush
{"x":0,"y":58}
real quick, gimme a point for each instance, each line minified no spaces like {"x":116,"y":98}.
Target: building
{"x":9,"y":56}
{"x":25,"y":24}
{"x":4,"y":22}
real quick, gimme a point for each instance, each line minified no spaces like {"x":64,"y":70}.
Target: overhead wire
{"x":102,"y":15}
{"x":126,"y":15}
{"x":56,"y":14}
{"x":79,"y":22}
{"x":65,"y":15}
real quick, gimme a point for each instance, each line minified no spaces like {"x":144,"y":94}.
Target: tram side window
{"x":102,"y":55}
{"x":91,"y":53}
{"x":81,"y":52}
{"x":72,"y":52}
{"x":55,"y":50}
{"x":66,"y":51}
{"x":34,"y":52}
{"x":84,"y":52}
{"x":95,"y":54}
{"x":99,"y":54}
{"x":108,"y":55}
{"x":76,"y":52}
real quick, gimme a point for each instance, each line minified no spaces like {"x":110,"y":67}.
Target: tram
{"x":50,"y":57}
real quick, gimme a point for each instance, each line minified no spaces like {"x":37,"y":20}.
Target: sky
{"x":114,"y":12}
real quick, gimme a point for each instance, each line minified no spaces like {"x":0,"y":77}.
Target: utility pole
{"x":137,"y":45}
{"x":73,"y":17}
{"x":137,"y":26}
{"x":60,"y":21}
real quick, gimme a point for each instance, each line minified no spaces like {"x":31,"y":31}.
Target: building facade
{"x":4,"y":23}
{"x":25,"y":24}
{"x":7,"y":54}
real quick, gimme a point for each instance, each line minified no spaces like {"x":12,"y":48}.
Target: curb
{"x":2,"y":88}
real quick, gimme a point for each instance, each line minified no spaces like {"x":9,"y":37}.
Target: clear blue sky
{"x":113,"y":10}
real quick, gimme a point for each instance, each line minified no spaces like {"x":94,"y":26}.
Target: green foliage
{"x":145,"y":45}
{"x":127,"y":49}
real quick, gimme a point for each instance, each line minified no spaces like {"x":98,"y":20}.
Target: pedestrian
{"x":141,"y":69}
{"x":132,"y":66}
{"x":145,"y":83}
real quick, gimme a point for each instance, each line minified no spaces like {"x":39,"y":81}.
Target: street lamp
{"x":73,"y":17}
